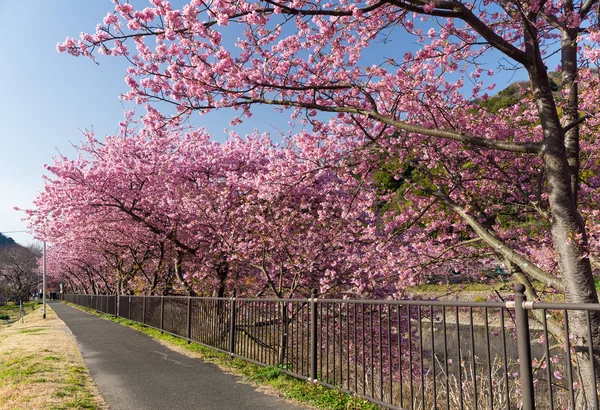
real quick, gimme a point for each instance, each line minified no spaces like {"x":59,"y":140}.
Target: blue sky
{"x":47,"y":96}
{"x":50,"y":97}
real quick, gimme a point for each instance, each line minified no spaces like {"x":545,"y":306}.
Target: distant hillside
{"x":514,"y":92}
{"x":6,"y":241}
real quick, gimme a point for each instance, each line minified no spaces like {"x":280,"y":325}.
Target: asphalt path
{"x":134,"y":371}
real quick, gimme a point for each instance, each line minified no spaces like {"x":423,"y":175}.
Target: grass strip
{"x":41,"y":367}
{"x":9,"y":313}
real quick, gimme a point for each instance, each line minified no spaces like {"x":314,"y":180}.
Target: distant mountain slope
{"x":6,"y":241}
{"x":514,"y":92}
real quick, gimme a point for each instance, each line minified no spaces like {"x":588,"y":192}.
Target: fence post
{"x":313,"y":336}
{"x":523,"y":342}
{"x":129,"y":308}
{"x":232,"y":320}
{"x":143,"y":309}
{"x":189,"y":319}
{"x":162,"y":312}
{"x":117,"y":305}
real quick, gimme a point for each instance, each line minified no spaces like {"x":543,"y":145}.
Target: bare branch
{"x":510,"y":146}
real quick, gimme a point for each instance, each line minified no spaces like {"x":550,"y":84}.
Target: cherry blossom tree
{"x":332,"y":66}
{"x":309,"y":58}
{"x":19,"y":271}
{"x":244,"y":214}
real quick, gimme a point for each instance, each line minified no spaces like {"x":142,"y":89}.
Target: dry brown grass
{"x":42,"y":368}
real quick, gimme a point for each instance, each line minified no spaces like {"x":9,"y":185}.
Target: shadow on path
{"x":133,"y":371}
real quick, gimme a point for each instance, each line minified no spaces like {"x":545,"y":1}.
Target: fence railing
{"x":407,"y":354}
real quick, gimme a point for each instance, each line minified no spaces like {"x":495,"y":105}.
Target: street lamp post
{"x":44,"y":282}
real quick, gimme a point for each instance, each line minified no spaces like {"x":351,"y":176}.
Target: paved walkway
{"x":133,"y":371}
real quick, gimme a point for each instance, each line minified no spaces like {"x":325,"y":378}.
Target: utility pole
{"x":44,"y":282}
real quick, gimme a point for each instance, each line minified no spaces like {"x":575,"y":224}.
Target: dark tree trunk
{"x":568,"y":229}
{"x":222,"y":271}
{"x":179,"y":273}
{"x":284,"y":334}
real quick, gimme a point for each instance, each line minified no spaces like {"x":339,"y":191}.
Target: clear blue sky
{"x":49,"y":97}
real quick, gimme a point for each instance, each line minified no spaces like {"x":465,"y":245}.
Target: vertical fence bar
{"x":371,"y":341}
{"x":548,"y":361}
{"x":214,"y":323}
{"x":348,"y":345}
{"x":389,"y":353}
{"x":203,"y":322}
{"x":399,"y":343}
{"x":285,"y":334}
{"x":246,"y":315}
{"x":447,"y":376}
{"x":333,"y":333}
{"x":313,"y":336}
{"x":489,"y":360}
{"x":144,"y":309}
{"x":380,"y":307}
{"x":473,"y":357}
{"x":591,"y":353}
{"x":299,"y":338}
{"x":162,"y":313}
{"x":569,"y":362}
{"x":421,"y":363}
{"x":325,"y":376}
{"x":524,"y":348}
{"x":459,"y":359}
{"x":232,"y":316}
{"x":303,"y":327}
{"x":189,"y":319}
{"x":321,"y":361}
{"x":354,"y":321}
{"x":433,"y":357}
{"x":255,"y":346}
{"x":363,"y":350}
{"x":410,"y":358}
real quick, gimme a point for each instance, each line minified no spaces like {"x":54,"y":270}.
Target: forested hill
{"x":6,"y":241}
{"x":514,"y":92}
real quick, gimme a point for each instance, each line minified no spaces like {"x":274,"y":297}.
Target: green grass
{"x":309,"y":393}
{"x":75,"y":382}
{"x":36,"y":330}
{"x":26,"y":369}
{"x":10,"y":312}
{"x":36,"y":374}
{"x":462,"y":287}
{"x":18,"y":369}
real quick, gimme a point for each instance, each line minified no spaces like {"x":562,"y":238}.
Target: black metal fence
{"x":398,"y":354}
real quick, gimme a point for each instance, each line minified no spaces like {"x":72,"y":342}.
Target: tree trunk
{"x":571,"y":109}
{"x":568,"y":232}
{"x":222,"y":271}
{"x":179,"y":273}
{"x":284,"y":334}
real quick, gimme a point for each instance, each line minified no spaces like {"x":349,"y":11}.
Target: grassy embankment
{"x":481,"y":292}
{"x":268,"y":379}
{"x":40,"y":364}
